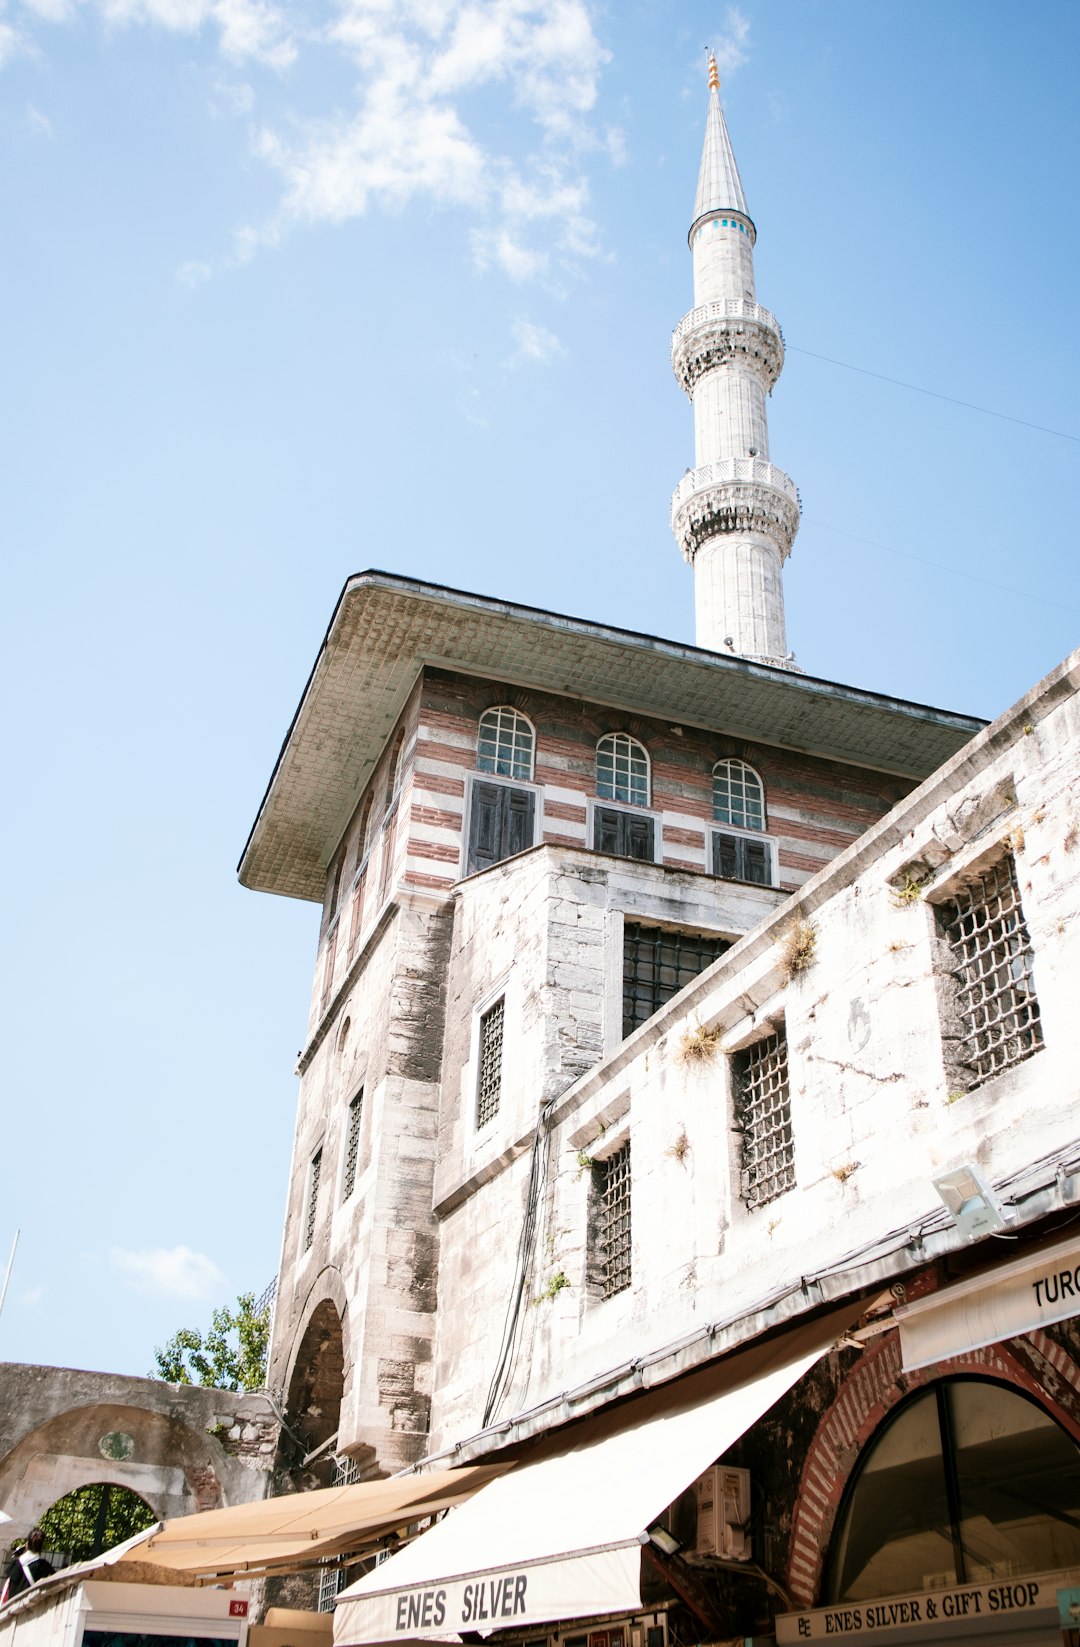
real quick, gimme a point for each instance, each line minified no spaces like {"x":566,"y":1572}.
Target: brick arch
{"x":865,"y":1398}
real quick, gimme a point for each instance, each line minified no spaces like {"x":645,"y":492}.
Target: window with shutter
{"x":502,"y":822}
{"x":742,"y":858}
{"x":625,"y":834}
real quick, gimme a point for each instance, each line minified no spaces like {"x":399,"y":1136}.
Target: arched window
{"x":622,"y":770}
{"x":967,"y":1482}
{"x":737,"y":795}
{"x":505,"y":744}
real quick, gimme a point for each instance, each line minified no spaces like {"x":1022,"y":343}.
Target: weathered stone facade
{"x":413,"y":948}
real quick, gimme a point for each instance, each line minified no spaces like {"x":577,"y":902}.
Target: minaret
{"x":734,"y":515}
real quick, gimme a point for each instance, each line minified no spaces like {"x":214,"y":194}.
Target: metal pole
{"x":7,"y":1272}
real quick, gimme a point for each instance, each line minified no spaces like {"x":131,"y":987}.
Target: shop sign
{"x":1016,"y":1298}
{"x":1015,"y":1597}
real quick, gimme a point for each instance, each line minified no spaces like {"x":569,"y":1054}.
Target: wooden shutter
{"x":502,"y":821}
{"x":725,"y":855}
{"x":639,"y":838}
{"x":626,"y":834}
{"x":607,"y":830}
{"x":739,"y":858}
{"x":756,"y":864}
{"x":519,"y":812}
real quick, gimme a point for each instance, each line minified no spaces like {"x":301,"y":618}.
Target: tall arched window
{"x":505,"y":744}
{"x":737,"y":795}
{"x":622,"y":770}
{"x":967,"y":1482}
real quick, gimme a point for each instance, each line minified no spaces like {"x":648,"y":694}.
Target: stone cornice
{"x":744,"y":496}
{"x":742,"y":335}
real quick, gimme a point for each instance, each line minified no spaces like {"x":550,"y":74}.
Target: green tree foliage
{"x":92,"y":1519}
{"x":230,"y":1356}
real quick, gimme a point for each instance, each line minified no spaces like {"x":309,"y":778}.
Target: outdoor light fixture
{"x":665,"y":1542}
{"x":971,"y":1201}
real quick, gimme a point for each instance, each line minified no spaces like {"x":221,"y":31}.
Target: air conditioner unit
{"x":723,"y":1513}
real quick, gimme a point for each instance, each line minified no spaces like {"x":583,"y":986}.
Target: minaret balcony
{"x":734,"y":332}
{"x":742,"y":495}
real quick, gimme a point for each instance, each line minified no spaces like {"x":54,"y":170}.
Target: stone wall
{"x":874,"y":1116}
{"x":179,"y":1446}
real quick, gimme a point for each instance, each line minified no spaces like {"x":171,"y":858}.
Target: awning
{"x":1015,"y":1298}
{"x":288,"y":1535}
{"x":561,"y":1537}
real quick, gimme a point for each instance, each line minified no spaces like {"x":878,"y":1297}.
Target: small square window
{"x":489,"y":1083}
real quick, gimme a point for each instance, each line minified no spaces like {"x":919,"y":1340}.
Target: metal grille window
{"x":505,"y":744}
{"x":490,"y":1057}
{"x":612,"y":1179}
{"x":992,"y":1018}
{"x":315,"y":1173}
{"x":352,"y":1146}
{"x":331,"y":1584}
{"x":657,"y":963}
{"x":737,"y":795}
{"x":622,"y":770}
{"x":763,"y":1116}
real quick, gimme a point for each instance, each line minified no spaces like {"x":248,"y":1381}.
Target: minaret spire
{"x":735,"y":514}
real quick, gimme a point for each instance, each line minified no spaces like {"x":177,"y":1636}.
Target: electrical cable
{"x":936,"y":566}
{"x":917,"y":389}
{"x":526,"y":1243}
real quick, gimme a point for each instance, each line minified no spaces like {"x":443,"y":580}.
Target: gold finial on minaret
{"x":714,"y":73}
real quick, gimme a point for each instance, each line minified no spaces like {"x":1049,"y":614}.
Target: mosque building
{"x":686,"y":1113}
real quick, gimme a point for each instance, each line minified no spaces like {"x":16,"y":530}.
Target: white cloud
{"x":482,"y":107}
{"x":171,"y":1272}
{"x":38,"y":122}
{"x":535,"y":345}
{"x":32,"y":1296}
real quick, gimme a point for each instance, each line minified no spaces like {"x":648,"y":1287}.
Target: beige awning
{"x":293,"y":1534}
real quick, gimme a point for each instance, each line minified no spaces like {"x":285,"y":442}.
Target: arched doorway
{"x":313,"y":1407}
{"x":967,"y":1481}
{"x":92,"y":1519}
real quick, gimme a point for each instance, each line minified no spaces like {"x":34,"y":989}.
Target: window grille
{"x":737,"y":795}
{"x":612,"y":1179}
{"x":995,"y":1013}
{"x":313,"y":1198}
{"x":505,"y":744}
{"x":490,"y":1079}
{"x":346,"y":1471}
{"x":331,"y":1584}
{"x":657,"y":963}
{"x":622,"y":770}
{"x":352,"y":1146}
{"x":763,"y":1116}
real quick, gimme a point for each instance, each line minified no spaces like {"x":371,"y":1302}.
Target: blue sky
{"x":292,"y":290}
